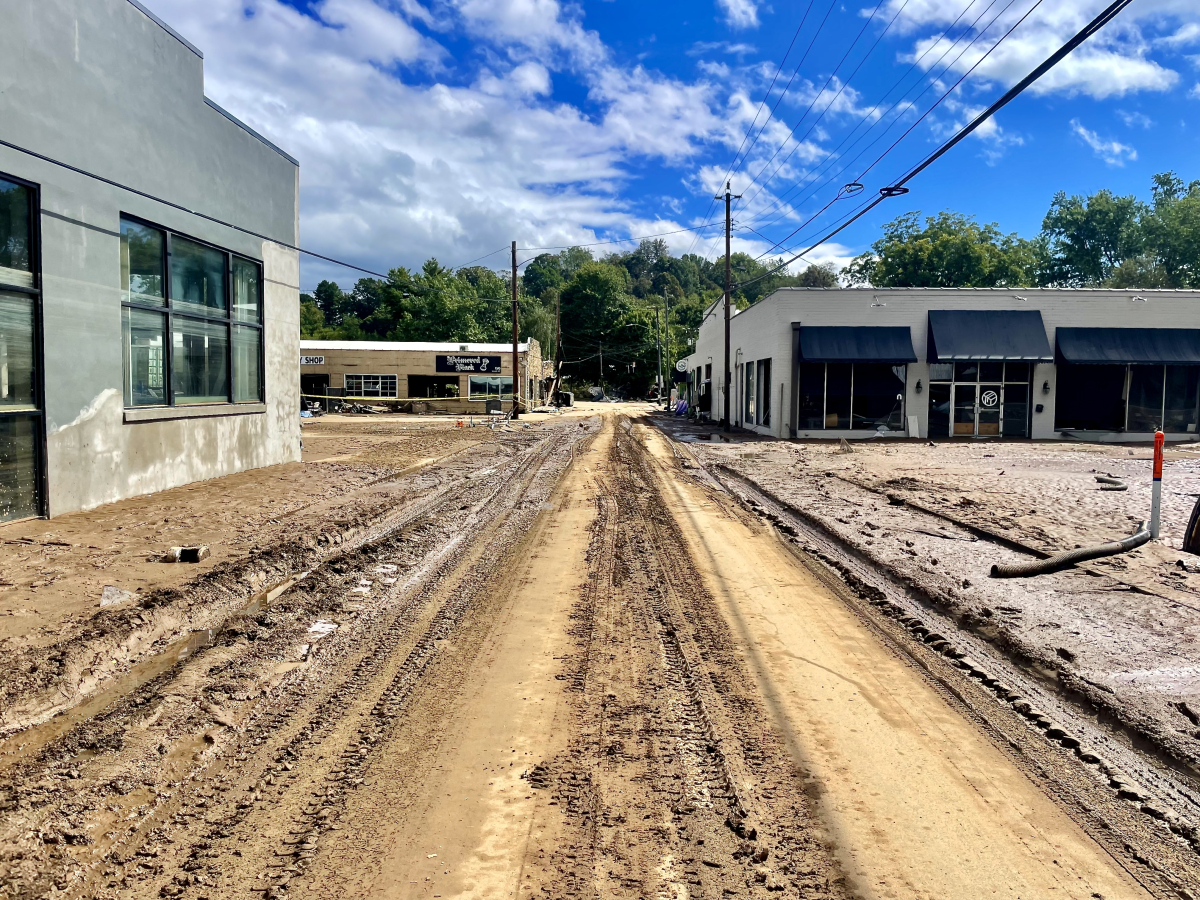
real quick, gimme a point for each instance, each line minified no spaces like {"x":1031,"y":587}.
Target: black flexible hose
{"x":1070,"y":557}
{"x":1108,"y":483}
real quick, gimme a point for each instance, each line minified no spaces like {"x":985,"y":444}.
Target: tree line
{"x":1101,"y":240}
{"x":618,"y":309}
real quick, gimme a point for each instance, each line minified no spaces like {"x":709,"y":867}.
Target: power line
{"x":781,"y":201}
{"x":182,"y":208}
{"x":767,"y":96}
{"x":935,"y":105}
{"x":818,"y":94}
{"x":898,"y":188}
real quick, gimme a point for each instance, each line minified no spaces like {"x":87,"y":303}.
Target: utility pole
{"x":601,"y":368}
{"x":729,"y":198}
{"x":516,"y":365}
{"x":558,"y":347}
{"x":658,"y":343}
{"x":667,"y":341}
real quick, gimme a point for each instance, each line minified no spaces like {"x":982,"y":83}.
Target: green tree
{"x":822,"y":276}
{"x":1172,"y":234}
{"x":1090,"y":237}
{"x":948,"y":250}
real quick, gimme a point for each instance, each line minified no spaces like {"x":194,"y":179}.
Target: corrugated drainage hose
{"x":1070,"y":557}
{"x":1108,"y":483}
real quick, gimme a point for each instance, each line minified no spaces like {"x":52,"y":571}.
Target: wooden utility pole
{"x":516,"y":364}
{"x":727,"y":399}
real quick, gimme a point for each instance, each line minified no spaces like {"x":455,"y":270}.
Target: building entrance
{"x":979,"y":399}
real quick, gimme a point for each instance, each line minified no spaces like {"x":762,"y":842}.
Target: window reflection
{"x":197,"y":276}
{"x":16,"y":237}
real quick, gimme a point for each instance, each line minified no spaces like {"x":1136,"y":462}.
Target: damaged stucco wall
{"x":104,"y":87}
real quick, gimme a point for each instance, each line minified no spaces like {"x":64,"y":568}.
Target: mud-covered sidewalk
{"x":1118,"y":634}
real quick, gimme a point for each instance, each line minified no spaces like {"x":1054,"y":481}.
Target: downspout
{"x":794,"y":405}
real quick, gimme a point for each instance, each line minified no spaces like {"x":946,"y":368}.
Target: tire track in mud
{"x":1151,"y":842}
{"x":673,"y":785}
{"x":211,"y":803}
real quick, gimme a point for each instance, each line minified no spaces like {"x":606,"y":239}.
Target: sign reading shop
{"x":462,"y":363}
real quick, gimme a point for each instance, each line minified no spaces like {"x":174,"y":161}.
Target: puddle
{"x":321,"y":628}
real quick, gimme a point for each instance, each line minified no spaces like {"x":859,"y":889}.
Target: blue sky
{"x":448,"y":127}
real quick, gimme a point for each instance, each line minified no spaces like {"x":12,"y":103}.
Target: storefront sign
{"x":468,"y":363}
{"x":312,"y":360}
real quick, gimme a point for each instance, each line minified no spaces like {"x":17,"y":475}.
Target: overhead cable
{"x":780,"y":202}
{"x":935,"y":105}
{"x":898,"y":188}
{"x":870,"y":112}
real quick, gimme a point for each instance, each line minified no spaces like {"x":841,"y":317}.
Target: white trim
{"x":422,"y":346}
{"x":200,"y":411}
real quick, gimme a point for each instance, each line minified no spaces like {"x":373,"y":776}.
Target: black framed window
{"x":851,"y":396}
{"x":192,"y":320}
{"x":22,"y":435}
{"x":371,"y":385}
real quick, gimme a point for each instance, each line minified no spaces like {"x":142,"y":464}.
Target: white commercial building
{"x":1110,"y":365}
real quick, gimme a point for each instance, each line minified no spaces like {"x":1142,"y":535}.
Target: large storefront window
{"x":489,"y":388}
{"x":178,"y":289}
{"x":20,"y":400}
{"x":371,"y":385}
{"x":983,"y":398}
{"x":1135,"y":398}
{"x":867,"y":396}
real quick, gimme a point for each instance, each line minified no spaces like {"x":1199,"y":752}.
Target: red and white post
{"x":1156,"y":497}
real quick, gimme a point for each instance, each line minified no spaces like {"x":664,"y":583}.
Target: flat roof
{"x":426,"y":346}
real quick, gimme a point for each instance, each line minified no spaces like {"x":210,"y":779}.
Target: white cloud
{"x":405,"y":156}
{"x":1194,"y":93}
{"x":701,"y":48}
{"x":1134,"y":119}
{"x":1112,"y":152}
{"x":1113,"y":63}
{"x":740,"y":13}
{"x":1186,"y":36}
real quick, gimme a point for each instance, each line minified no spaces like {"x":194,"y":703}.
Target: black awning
{"x":1146,"y":346}
{"x":863,"y":343}
{"x":1015,"y":334}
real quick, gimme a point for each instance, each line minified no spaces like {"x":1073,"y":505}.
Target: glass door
{"x":988,"y":418}
{"x":964,"y":409}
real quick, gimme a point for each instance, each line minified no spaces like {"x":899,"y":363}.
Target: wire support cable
{"x":841,"y":89}
{"x":898,"y":188}
{"x":936,"y":104}
{"x":779,"y":202}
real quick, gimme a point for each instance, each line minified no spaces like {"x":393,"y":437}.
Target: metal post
{"x":725,"y":417}
{"x":1156,"y":496}
{"x":658,"y":344}
{"x":516,"y":365}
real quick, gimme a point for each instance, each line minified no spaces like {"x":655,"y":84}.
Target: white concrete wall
{"x":765,"y":331}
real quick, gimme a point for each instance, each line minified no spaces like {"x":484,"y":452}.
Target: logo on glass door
{"x":989,"y":399}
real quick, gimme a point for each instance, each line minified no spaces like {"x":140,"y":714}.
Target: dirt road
{"x":571,"y":666}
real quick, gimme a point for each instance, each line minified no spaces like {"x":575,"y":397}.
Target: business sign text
{"x":463,"y":363}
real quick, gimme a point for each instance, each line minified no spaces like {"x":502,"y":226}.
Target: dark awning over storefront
{"x":845,"y":343}
{"x":1145,"y":346}
{"x":1013,"y":334}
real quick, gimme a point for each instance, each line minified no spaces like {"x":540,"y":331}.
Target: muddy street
{"x":577,"y":659}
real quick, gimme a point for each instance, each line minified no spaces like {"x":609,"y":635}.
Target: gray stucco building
{"x":141,"y":346}
{"x":1097,"y":365}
